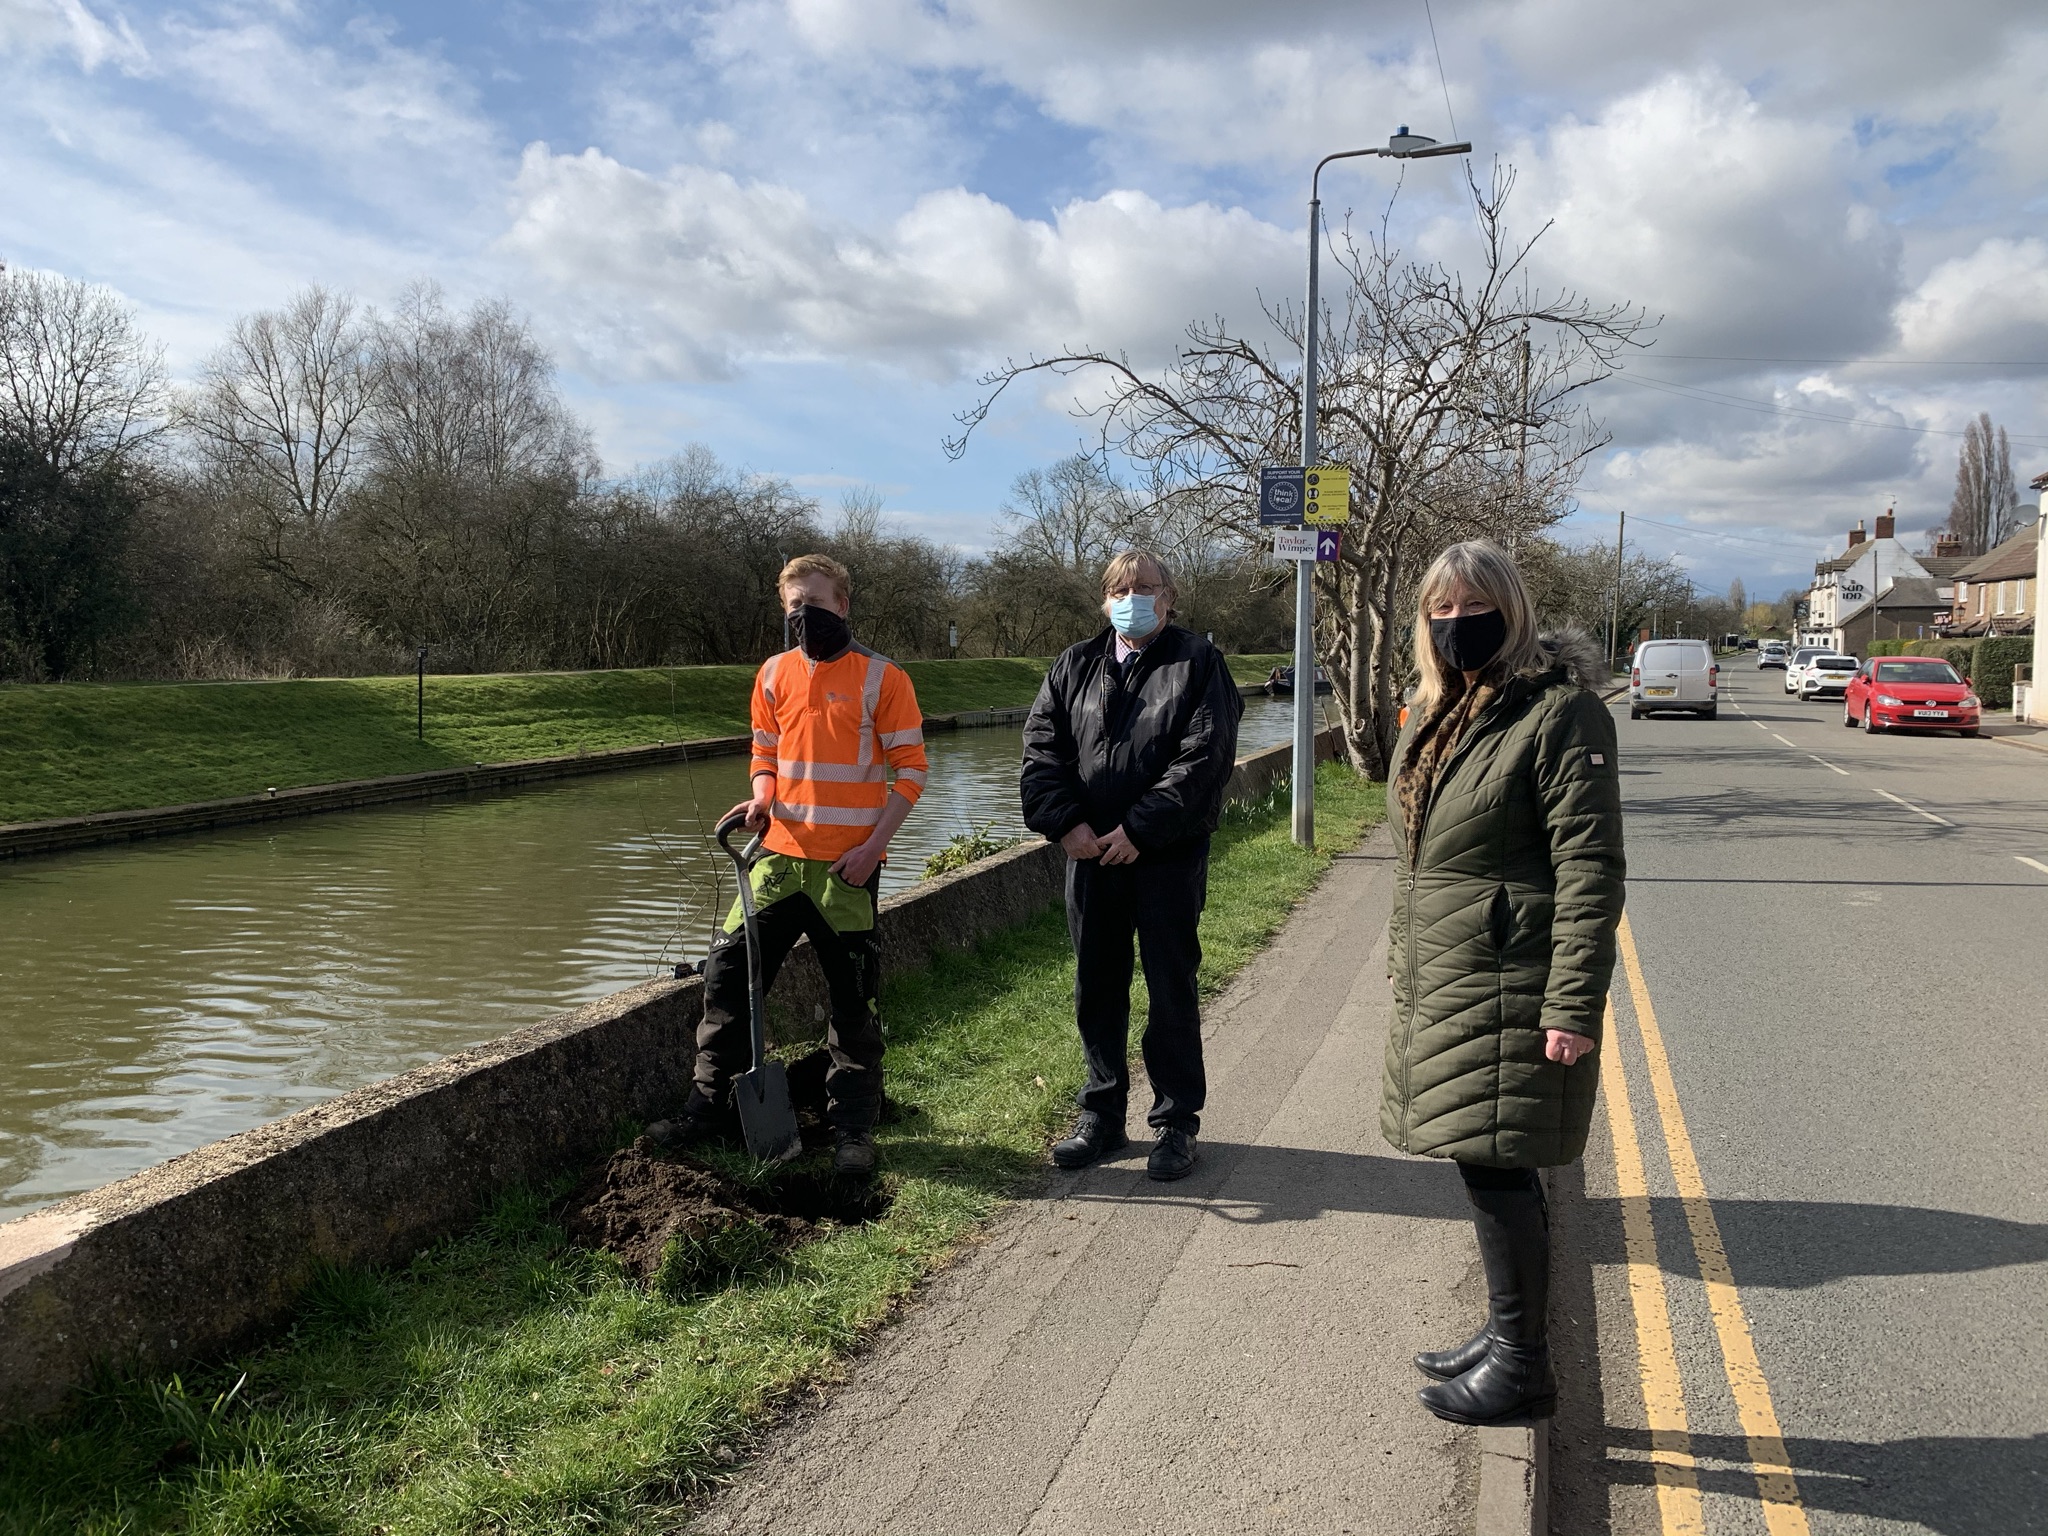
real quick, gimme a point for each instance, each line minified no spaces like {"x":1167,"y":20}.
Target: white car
{"x":1827,"y":677}
{"x":1795,"y":669}
{"x":1770,"y":654}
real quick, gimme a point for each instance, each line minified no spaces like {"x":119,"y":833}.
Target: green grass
{"x":505,"y":1383}
{"x":72,"y":749}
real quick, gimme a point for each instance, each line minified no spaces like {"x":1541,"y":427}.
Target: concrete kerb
{"x":205,"y":1251}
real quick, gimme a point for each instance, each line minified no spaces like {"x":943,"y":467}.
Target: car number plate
{"x":1660,"y":693}
{"x":1930,"y":714}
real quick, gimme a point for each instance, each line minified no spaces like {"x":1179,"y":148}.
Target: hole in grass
{"x":682,"y":1226}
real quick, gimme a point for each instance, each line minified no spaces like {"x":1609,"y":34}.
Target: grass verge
{"x":72,"y":749}
{"x":506,"y":1383}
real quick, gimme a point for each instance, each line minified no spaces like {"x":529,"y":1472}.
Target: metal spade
{"x":761,"y":1094}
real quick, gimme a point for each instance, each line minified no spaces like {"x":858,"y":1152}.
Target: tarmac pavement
{"x":1229,"y":1353}
{"x":1835,"y":1034}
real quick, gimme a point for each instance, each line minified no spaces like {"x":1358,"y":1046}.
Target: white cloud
{"x":31,"y":27}
{"x":686,"y":272}
{"x":1989,"y":305}
{"x":1736,"y":225}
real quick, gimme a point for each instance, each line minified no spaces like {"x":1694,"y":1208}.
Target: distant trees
{"x":1984,"y":510}
{"x":338,"y":486}
{"x":81,"y":406}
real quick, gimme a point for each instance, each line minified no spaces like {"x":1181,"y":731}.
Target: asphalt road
{"x":1842,"y":955}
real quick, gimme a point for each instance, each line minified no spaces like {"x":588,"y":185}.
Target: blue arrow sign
{"x":1326,"y":543}
{"x":1280,"y":496}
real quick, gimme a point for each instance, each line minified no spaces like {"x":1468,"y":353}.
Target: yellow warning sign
{"x":1326,"y":497}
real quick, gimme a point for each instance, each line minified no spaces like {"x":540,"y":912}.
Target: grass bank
{"x":506,"y":1383}
{"x":72,"y":749}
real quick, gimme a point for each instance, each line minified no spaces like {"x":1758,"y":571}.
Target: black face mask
{"x":820,"y":631}
{"x":1471,"y":640}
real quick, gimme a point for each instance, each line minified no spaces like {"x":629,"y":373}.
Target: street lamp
{"x":1402,"y":146}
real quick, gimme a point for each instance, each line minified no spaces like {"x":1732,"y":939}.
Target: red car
{"x":1910,"y":693}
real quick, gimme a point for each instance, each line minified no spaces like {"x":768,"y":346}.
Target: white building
{"x":1842,"y":590}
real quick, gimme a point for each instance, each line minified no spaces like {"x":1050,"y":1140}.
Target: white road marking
{"x":1792,"y":744}
{"x":1826,"y":764}
{"x":1909,"y":805}
{"x":2032,"y":863}
{"x":1761,"y":726}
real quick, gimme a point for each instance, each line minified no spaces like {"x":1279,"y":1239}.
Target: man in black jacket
{"x":1126,"y":756}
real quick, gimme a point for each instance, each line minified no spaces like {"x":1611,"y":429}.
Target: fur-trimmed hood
{"x":1577,"y":652}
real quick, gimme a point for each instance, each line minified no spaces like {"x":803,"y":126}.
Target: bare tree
{"x":1073,"y":515}
{"x":79,"y":385}
{"x":277,"y":417}
{"x":1984,"y":511}
{"x":1456,"y":406}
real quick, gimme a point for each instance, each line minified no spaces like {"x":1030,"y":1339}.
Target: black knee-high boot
{"x":1511,"y":1377}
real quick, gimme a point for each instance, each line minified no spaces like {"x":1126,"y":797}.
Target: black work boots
{"x":1094,"y":1136}
{"x":1503,"y":1373}
{"x":701,"y":1120}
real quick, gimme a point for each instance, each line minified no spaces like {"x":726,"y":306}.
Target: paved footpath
{"x":1225,"y":1354}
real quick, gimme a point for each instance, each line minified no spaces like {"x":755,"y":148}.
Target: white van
{"x":1673,"y":674}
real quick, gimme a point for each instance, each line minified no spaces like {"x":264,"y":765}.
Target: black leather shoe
{"x":700,"y":1120}
{"x":1511,"y":1383}
{"x":1094,"y":1136}
{"x":853,"y":1153}
{"x":1450,"y":1364}
{"x":1173,"y":1154}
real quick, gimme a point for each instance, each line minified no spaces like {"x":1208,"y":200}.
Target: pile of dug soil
{"x":636,"y":1203}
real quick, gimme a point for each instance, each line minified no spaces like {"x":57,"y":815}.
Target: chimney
{"x":1947,"y":546}
{"x":1887,"y":524}
{"x":1856,"y":534}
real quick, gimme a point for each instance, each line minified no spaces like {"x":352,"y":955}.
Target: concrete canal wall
{"x":203,"y":1252}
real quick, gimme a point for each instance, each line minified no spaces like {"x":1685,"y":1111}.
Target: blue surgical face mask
{"x":1135,"y":615}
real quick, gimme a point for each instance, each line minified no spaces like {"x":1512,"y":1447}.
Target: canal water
{"x":158,"y":996}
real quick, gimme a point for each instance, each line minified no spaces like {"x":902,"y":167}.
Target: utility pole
{"x":420,"y":700}
{"x":1614,"y":622}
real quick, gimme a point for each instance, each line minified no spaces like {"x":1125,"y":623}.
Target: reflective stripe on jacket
{"x":832,"y":732}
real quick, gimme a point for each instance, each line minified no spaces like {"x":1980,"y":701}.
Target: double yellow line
{"x":1674,"y":1471}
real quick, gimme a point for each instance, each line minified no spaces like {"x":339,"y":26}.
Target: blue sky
{"x":794,"y":230}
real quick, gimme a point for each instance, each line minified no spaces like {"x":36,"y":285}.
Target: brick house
{"x":1998,"y":593}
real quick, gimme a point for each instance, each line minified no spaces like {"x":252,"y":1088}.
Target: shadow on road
{"x":1783,"y":1244}
{"x":1954,"y":1485}
{"x":1792,"y":1244}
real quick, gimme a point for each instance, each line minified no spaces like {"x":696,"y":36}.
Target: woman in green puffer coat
{"x":1506,"y":815}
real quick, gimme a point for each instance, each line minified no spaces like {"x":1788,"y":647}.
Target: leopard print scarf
{"x":1430,"y":748}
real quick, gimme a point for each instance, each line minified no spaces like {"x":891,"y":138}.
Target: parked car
{"x":1795,"y":668}
{"x":1673,"y":675}
{"x":1771,"y":654}
{"x":1827,"y":677}
{"x":1911,"y":693}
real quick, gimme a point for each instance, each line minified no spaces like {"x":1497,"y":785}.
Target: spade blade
{"x":767,"y":1119}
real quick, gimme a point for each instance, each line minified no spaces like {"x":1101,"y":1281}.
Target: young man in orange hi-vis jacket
{"x":832,"y":722}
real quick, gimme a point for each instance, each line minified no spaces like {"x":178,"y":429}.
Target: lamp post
{"x":1402,"y":146}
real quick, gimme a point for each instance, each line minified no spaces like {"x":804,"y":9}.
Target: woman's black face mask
{"x":1471,"y":640}
{"x":822,"y":633}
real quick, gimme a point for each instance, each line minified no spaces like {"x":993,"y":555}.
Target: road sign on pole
{"x":1326,"y":497}
{"x":1280,"y":496}
{"x":1294,"y":543}
{"x":1326,"y":543}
